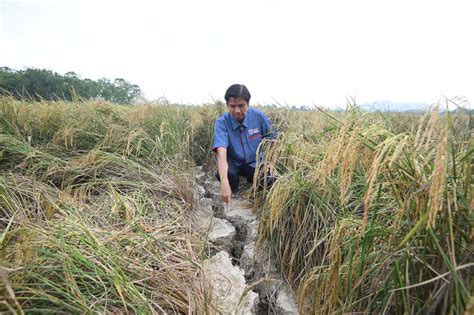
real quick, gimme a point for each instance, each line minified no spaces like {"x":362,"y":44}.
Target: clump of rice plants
{"x":369,"y":217}
{"x":117,"y":252}
{"x":95,"y":203}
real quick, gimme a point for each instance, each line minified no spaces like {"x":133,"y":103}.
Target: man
{"x":237,"y":135}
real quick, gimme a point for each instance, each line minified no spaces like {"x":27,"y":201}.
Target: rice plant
{"x":370,"y":218}
{"x":95,"y":203}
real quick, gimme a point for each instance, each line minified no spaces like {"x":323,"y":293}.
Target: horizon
{"x":382,"y":104}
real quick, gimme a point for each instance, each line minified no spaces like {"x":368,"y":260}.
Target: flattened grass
{"x":95,"y":202}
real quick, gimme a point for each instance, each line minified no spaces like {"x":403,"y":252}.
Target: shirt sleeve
{"x":221,"y":137}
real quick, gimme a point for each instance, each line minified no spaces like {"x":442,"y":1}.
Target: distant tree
{"x":6,"y":69}
{"x":125,"y":92}
{"x":106,"y":89}
{"x":41,"y":84}
{"x":9,"y":81}
{"x":89,"y":89}
{"x":44,"y":84}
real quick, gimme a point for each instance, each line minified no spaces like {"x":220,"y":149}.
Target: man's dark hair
{"x":236,"y":91}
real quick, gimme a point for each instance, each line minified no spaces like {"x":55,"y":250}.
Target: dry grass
{"x":95,"y":203}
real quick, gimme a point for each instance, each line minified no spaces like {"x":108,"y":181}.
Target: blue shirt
{"x":242,"y":139}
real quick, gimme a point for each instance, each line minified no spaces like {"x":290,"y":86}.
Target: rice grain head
{"x":438,"y":179}
{"x":398,"y":151}
{"x":333,"y":152}
{"x":331,"y":293}
{"x":423,"y":139}
{"x":349,"y":158}
{"x":377,"y":165}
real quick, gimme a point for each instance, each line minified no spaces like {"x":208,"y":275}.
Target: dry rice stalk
{"x":139,"y":115}
{"x":278,"y":196}
{"x":331,"y":290}
{"x":438,"y":179}
{"x":349,"y":159}
{"x":332,"y":155}
{"x":65,"y":136}
{"x":425,"y":138}
{"x":374,"y":171}
{"x":10,"y":291}
{"x":114,"y":137}
{"x":128,"y":150}
{"x":398,"y":151}
{"x":419,"y":131}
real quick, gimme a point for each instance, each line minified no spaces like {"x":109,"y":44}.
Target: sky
{"x":287,"y":52}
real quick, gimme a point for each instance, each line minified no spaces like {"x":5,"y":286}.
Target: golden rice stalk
{"x":419,"y":131}
{"x":278,"y":196}
{"x":65,"y":136}
{"x":398,"y":151}
{"x":438,"y":179}
{"x":134,"y":134}
{"x":310,"y":295}
{"x":424,"y":139}
{"x":349,"y":158}
{"x":374,"y":171}
{"x":331,"y":290}
{"x":333,"y":152}
{"x":114,"y":137}
{"x":139,"y":114}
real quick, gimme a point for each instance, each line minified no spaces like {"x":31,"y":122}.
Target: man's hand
{"x":222,"y":168}
{"x":226,"y":192}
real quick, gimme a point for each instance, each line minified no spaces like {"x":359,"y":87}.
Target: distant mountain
{"x":386,"y":105}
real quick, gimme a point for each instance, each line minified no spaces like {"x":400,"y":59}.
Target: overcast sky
{"x":291,"y":52}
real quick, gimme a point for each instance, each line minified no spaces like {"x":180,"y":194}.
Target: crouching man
{"x":237,"y":135}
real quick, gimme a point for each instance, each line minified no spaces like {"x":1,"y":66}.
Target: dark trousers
{"x":234,"y":172}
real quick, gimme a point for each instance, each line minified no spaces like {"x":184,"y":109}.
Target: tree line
{"x":38,"y":84}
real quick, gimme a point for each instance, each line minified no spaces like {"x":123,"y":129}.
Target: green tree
{"x":44,"y":84}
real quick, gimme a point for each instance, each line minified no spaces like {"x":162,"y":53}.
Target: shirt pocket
{"x":254,"y":141}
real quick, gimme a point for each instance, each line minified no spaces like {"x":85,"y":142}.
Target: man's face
{"x":237,"y":108}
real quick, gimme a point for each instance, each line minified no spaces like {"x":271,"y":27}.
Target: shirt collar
{"x":236,"y":124}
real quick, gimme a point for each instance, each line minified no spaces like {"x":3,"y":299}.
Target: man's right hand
{"x":222,"y":168}
{"x":226,"y":193}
